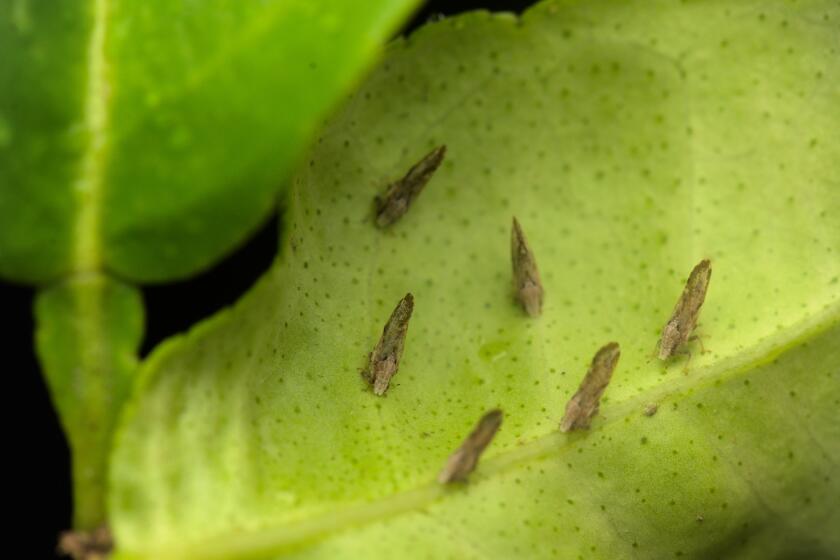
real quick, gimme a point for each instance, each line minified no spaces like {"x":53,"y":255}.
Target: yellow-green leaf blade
{"x":605,"y":141}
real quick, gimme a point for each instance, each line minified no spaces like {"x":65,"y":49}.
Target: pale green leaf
{"x":631,"y":140}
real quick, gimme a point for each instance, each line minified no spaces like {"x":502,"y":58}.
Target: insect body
{"x":526,"y":278}
{"x":461,"y":463}
{"x":684,"y":317}
{"x":391,"y":206}
{"x":385,"y":358}
{"x":584,"y":404}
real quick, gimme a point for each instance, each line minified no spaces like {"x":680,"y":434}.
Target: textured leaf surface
{"x":631,"y":140}
{"x":149,"y":137}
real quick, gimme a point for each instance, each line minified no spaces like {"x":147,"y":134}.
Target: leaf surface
{"x":631,"y":141}
{"x":149,"y":138}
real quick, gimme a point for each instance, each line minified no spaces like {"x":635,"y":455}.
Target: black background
{"x":38,"y":456}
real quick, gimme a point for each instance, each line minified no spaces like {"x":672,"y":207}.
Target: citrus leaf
{"x":630,"y":140}
{"x":149,"y":138}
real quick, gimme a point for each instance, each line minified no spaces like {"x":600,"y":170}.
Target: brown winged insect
{"x":526,"y":278}
{"x":584,"y":404}
{"x":683,"y":319}
{"x":385,"y":358}
{"x":461,"y":463}
{"x":396,"y":201}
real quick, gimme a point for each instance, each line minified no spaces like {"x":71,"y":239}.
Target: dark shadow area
{"x":434,"y":10}
{"x":175,"y":307}
{"x":38,"y":458}
{"x":41,"y":500}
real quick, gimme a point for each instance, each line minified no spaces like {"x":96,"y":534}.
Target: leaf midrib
{"x":90,"y":182}
{"x":278,"y":539}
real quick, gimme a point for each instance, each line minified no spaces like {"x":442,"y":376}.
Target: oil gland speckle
{"x":400,"y":194}
{"x":584,"y":404}
{"x":461,"y":463}
{"x":684,"y":317}
{"x":384,"y":361}
{"x":527,"y":286}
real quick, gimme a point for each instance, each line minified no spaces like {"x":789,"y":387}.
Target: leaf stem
{"x":88,"y":331}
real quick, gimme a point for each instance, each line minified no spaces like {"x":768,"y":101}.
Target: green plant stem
{"x":89,"y":328}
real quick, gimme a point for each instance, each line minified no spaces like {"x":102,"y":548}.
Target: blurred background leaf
{"x":148,"y":138}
